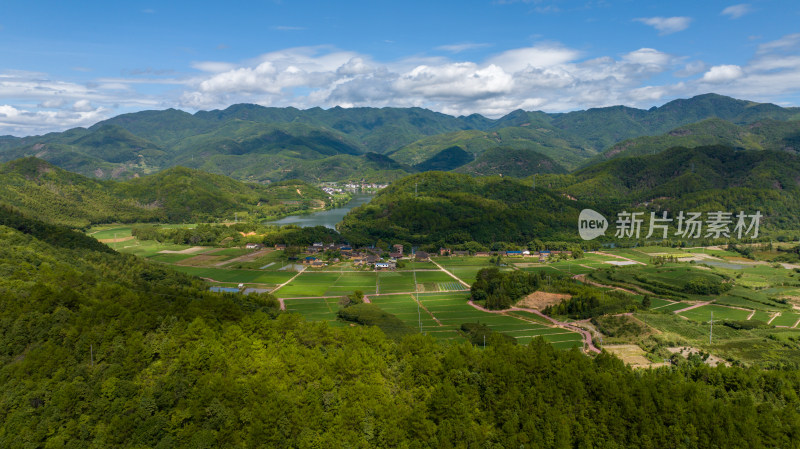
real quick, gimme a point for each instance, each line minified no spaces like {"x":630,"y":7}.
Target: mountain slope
{"x":764,"y":134}
{"x":258,"y":143}
{"x":177,"y":195}
{"x":441,"y":208}
{"x":519,"y":163}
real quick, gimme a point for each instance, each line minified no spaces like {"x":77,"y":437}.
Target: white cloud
{"x":536,"y":57}
{"x":723,"y":73}
{"x":20,"y":121}
{"x":82,"y":106}
{"x":648,"y":57}
{"x":691,"y":68}
{"x":458,"y":48}
{"x":666,"y":25}
{"x":736,"y":11}
{"x":213,"y":66}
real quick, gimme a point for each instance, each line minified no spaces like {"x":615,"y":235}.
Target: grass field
{"x":395,"y":281}
{"x":787,"y":319}
{"x":238,"y":276}
{"x":327,"y":283}
{"x":703,"y":313}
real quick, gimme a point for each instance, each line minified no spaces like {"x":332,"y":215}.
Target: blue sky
{"x":67,"y":64}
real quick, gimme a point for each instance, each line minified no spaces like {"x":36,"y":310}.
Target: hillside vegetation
{"x":175,"y":195}
{"x":100,"y":349}
{"x":454,"y":208}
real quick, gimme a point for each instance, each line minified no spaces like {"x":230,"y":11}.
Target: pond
{"x":328,"y":218}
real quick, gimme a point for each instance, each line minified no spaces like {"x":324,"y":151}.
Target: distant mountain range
{"x":256,"y":143}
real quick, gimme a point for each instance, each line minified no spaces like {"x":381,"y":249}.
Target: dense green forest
{"x":439,"y":208}
{"x":255,"y":143}
{"x":702,"y":179}
{"x":175,"y":195}
{"x":764,"y":134}
{"x":99,"y":349}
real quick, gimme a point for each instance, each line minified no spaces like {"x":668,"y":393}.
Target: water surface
{"x":328,"y":218}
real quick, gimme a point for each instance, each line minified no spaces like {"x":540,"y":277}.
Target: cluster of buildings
{"x":352,"y":187}
{"x":377,"y":259}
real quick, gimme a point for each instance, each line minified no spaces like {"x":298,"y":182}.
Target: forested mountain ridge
{"x":764,"y":134}
{"x":107,"y":350}
{"x":176,"y":195}
{"x":439,"y":208}
{"x":446,"y":208}
{"x":706,"y":178}
{"x":259,"y":143}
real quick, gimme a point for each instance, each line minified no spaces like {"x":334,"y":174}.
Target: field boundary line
{"x":422,"y":306}
{"x":290,"y":280}
{"x":587,"y":337}
{"x":701,"y":304}
{"x":775,"y":315}
{"x":451,"y":274}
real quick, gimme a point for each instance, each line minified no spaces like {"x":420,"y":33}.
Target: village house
{"x":460,"y":253}
{"x":444,"y":251}
{"x":385,"y":265}
{"x":422,"y":256}
{"x":398,"y":248}
{"x":254,"y":246}
{"x":280,"y":246}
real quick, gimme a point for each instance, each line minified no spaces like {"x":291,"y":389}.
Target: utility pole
{"x":711,"y":329}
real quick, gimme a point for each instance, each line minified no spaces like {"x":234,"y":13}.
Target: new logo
{"x":591,"y":224}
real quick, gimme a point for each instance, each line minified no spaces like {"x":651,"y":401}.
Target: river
{"x":328,"y":218}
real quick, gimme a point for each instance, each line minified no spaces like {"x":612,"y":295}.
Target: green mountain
{"x":256,"y":143}
{"x":702,"y":179}
{"x":445,"y":160}
{"x":442,"y":208}
{"x":566,"y":150}
{"x":178,"y":194}
{"x":370,"y":167}
{"x":764,"y":134}
{"x":603,"y":127}
{"x":519,"y":163}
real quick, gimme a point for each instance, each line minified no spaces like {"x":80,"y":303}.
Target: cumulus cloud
{"x":723,"y":73}
{"x":736,"y":11}
{"x":666,"y":25}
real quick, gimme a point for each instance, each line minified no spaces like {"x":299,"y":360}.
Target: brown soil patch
{"x":686,"y":351}
{"x":247,"y":257}
{"x":191,"y":250}
{"x":248,"y":234}
{"x":200,"y":261}
{"x":528,"y":264}
{"x":540,"y":300}
{"x":121,"y":239}
{"x":632,"y":355}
